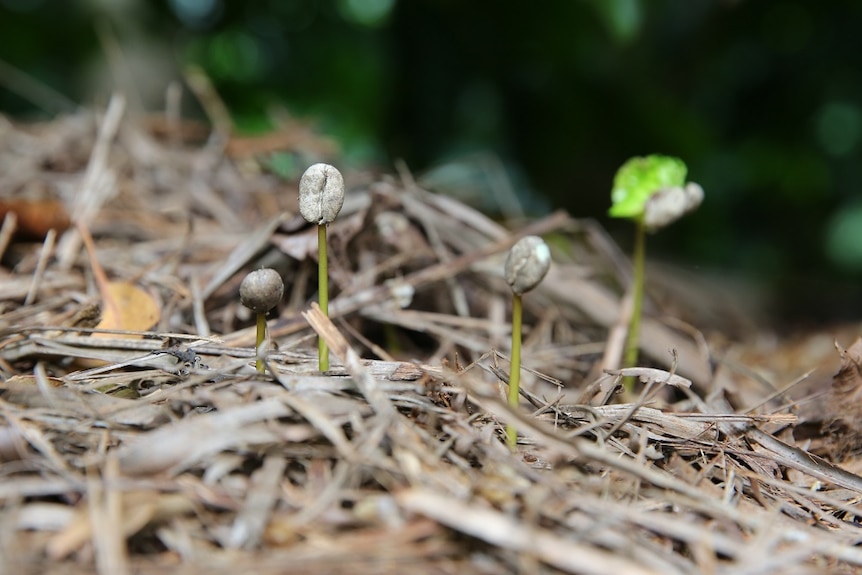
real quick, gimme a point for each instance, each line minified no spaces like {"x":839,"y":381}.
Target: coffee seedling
{"x":321,"y":196}
{"x":651,"y":191}
{"x":260,"y":291}
{"x":527,"y":263}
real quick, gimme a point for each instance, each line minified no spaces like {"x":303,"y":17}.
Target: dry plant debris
{"x":129,"y":447}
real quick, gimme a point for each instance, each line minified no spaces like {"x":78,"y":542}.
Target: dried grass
{"x":141,"y":451}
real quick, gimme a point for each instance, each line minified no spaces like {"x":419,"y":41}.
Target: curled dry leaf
{"x":844,"y":403}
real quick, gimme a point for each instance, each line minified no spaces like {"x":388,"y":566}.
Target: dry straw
{"x":169,"y":457}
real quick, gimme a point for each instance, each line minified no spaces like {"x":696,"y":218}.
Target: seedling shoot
{"x":260,"y":291}
{"x":321,"y":196}
{"x":651,"y":191}
{"x":526,"y":265}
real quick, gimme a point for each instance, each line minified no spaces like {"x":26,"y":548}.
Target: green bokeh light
{"x":235,"y":55}
{"x":844,"y":238}
{"x":838,"y":126}
{"x":370,"y":13}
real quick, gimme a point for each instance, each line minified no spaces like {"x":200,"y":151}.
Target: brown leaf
{"x":124,"y":307}
{"x":128,"y":307}
{"x":846,"y":392}
{"x":844,"y":403}
{"x":36,"y":217}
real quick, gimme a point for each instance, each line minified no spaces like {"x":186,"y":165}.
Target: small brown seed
{"x":321,"y":193}
{"x":527,"y":263}
{"x":261,"y":290}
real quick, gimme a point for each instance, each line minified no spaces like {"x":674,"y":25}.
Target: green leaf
{"x":641,"y":177}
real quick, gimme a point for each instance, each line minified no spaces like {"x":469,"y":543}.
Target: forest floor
{"x":136,"y":435}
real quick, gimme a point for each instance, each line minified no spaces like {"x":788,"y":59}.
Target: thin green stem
{"x":261,"y":335}
{"x":515,"y":368}
{"x":323,"y":293}
{"x":633,"y":339}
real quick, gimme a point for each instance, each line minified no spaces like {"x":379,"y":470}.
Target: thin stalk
{"x":633,"y":339}
{"x":323,"y":293}
{"x":515,"y":368}
{"x":261,"y":335}
{"x":260,"y":291}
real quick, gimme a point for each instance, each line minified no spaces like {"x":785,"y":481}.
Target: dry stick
{"x":370,"y":389}
{"x":41,"y":265}
{"x":242,"y":253}
{"x":98,"y":271}
{"x":420,"y":211}
{"x":602,"y":307}
{"x":584,"y":450}
{"x":10,"y":224}
{"x":349,"y":303}
{"x":107,"y":522}
{"x":263,"y":495}
{"x":358,"y":336}
{"x":173,"y":112}
{"x":202,"y":326}
{"x":209,"y":99}
{"x":98,"y":182}
{"x":157,"y":451}
{"x":367,"y":385}
{"x":508,"y":533}
{"x":806,"y":462}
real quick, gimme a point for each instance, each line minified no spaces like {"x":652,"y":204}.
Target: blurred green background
{"x":762,"y":99}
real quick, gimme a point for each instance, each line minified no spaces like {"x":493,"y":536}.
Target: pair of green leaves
{"x":642,"y":177}
{"x":651,"y":191}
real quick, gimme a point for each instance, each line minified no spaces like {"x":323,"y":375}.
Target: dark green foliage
{"x":762,"y":99}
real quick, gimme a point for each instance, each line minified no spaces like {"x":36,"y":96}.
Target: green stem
{"x":323,"y":293}
{"x":515,"y":368}
{"x":261,"y":335}
{"x":633,"y":339}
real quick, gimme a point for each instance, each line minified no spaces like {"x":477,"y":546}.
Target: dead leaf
{"x":36,"y":217}
{"x":846,"y":392}
{"x":844,"y":403}
{"x":128,"y":307}
{"x":124,"y":307}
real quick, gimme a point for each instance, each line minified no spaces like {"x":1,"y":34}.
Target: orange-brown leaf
{"x":36,"y":217}
{"x":128,"y":307}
